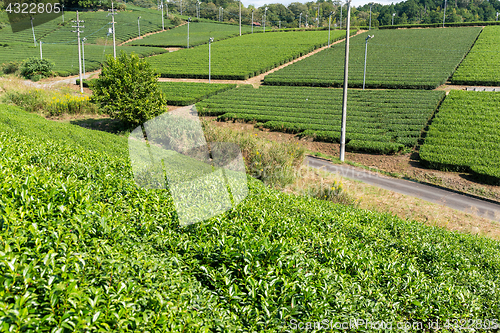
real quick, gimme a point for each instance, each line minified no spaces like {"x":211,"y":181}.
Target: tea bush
{"x":82,"y":248}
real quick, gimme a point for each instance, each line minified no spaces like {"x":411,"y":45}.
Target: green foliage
{"x":13,"y":120}
{"x":50,"y":103}
{"x":36,"y":68}
{"x":274,"y":163}
{"x":381,"y":121}
{"x":438,"y":25}
{"x":242,"y":57}
{"x":406,"y":58}
{"x":11,"y":67}
{"x":465,"y":136}
{"x":482,"y":65}
{"x":65,"y":57}
{"x":96,"y":28}
{"x":82,"y":248}
{"x":199,"y":33}
{"x":186,"y":93}
{"x":176,"y":21}
{"x":333,"y":192}
{"x":34,"y":100}
{"x":127,"y":89}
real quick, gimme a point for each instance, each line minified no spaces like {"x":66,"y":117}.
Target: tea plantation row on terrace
{"x":199,"y":33}
{"x":65,"y":56}
{"x":242,"y":57}
{"x":96,"y":28}
{"x":465,"y":134}
{"x":83,"y":248}
{"x":416,"y":58}
{"x":382,"y":121}
{"x":482,"y":64}
{"x":186,"y":93}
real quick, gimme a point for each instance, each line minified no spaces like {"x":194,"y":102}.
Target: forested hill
{"x":405,"y":12}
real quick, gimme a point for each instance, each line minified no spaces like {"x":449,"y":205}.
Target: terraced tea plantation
{"x":199,"y":33}
{"x":465,"y":134}
{"x":413,"y":58}
{"x":482,"y":64}
{"x":186,"y":93}
{"x":242,"y":57}
{"x":82,"y":248}
{"x":382,"y":121}
{"x":96,"y":28}
{"x":65,"y":56}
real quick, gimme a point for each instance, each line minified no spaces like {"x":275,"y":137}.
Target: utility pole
{"x":62,"y":12}
{"x":189,"y":20}
{"x":41,"y":57}
{"x":209,"y":58}
{"x":83,"y":54}
{"x":78,"y":26}
{"x":113,"y":13}
{"x":318,"y":15}
{"x":33,"y":29}
{"x":139,"y":26}
{"x":240,"y":17}
{"x":341,"y":16}
{"x":344,"y":96}
{"x":444,"y":12}
{"x":162,"y":17}
{"x":300,"y":20}
{"x":370,"y":27}
{"x":329,"y":24}
{"x":366,"y":51}
{"x":307,"y":23}
{"x":265,"y":18}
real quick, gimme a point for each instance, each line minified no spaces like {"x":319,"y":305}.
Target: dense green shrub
{"x":127,"y":89}
{"x":36,"y":69}
{"x":176,"y":21}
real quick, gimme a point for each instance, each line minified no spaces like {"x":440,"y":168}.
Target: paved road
{"x":469,"y":204}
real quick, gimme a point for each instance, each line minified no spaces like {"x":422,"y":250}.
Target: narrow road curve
{"x":484,"y":208}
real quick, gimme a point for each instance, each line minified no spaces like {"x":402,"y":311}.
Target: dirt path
{"x":450,"y":87}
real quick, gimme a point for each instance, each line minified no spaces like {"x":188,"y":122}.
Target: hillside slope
{"x":83,"y":248}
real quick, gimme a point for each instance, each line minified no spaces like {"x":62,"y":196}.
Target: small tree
{"x":127,"y":89}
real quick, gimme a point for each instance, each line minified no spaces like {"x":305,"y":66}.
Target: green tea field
{"x":383,"y":121}
{"x":199,"y":33}
{"x":82,"y":248}
{"x":65,"y":56}
{"x":482,"y":65}
{"x":96,"y":28}
{"x":465,"y":134}
{"x":242,"y":57}
{"x":186,"y":93}
{"x":406,"y":58}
